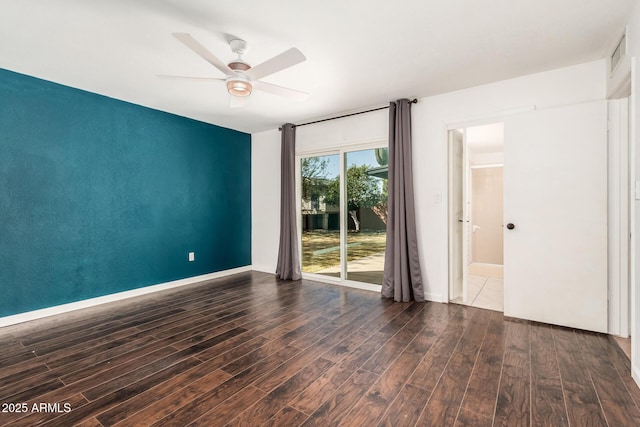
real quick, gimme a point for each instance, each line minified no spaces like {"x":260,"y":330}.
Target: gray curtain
{"x":402,"y":278}
{"x":288,"y":267}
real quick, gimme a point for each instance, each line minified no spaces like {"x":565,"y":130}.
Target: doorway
{"x":555,"y":215}
{"x":476,"y":220}
{"x":343,"y":215}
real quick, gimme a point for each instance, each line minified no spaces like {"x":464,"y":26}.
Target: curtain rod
{"x":413,"y":101}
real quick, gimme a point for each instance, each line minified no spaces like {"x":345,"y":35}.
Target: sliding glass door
{"x":344,"y":214}
{"x":366,"y":219}
{"x":320,"y":209}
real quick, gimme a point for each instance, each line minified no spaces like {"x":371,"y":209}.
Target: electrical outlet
{"x":192,"y":256}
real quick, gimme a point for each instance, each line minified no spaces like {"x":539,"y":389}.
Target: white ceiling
{"x":359,"y":53}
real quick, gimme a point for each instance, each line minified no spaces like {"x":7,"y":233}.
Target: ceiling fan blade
{"x":237,"y":101}
{"x":279,"y":62}
{"x":203,"y":52}
{"x":280,"y":90}
{"x":204,"y":79}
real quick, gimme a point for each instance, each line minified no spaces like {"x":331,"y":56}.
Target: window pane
{"x":320,"y":178}
{"x":366,"y":208}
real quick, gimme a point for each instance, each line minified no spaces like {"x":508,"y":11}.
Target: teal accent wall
{"x":101,"y":196}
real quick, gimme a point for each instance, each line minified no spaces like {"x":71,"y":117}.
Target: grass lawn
{"x":321,"y":249}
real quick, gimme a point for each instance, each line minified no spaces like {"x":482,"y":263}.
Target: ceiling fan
{"x":240,"y":77}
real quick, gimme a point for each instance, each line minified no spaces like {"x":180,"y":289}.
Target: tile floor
{"x":485,"y":287}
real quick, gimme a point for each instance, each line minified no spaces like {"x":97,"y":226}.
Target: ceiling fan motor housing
{"x":239,"y":47}
{"x":239,"y":65}
{"x":240,"y":84}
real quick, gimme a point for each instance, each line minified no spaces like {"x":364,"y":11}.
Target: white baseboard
{"x":92,"y":302}
{"x":635,"y":373}
{"x":433,"y":297}
{"x":263,"y":269}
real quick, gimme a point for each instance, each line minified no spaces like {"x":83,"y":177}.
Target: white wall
{"x":265,"y":200}
{"x":363,"y":128}
{"x":430,"y":118}
{"x":633,"y":40}
{"x":494,"y":158}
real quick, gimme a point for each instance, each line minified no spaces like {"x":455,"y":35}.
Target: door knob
{"x":511,"y":226}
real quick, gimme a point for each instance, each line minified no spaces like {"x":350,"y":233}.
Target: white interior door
{"x":555,"y":195}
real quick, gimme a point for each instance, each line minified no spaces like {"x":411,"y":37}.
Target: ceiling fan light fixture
{"x":239,"y":86}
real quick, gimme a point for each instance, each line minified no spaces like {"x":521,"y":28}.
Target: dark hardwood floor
{"x":248,"y":350}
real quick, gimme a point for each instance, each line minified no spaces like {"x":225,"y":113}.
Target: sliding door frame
{"x":341,"y":151}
